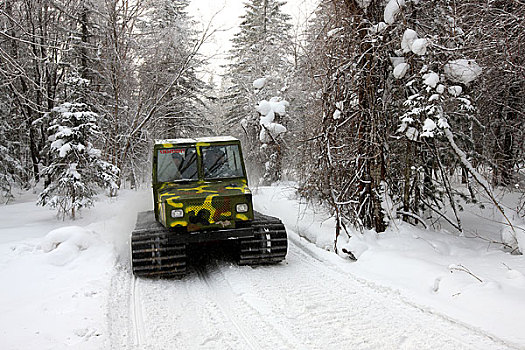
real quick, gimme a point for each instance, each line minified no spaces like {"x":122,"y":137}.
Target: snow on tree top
{"x":431,"y":79}
{"x":400,"y":70}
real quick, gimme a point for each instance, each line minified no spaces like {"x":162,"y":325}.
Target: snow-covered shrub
{"x":76,"y":169}
{"x":270,"y":136}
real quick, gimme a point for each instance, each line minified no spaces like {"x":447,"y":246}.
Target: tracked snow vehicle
{"x":201,"y":194}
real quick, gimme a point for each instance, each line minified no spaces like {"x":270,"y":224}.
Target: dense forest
{"x":379,"y":110}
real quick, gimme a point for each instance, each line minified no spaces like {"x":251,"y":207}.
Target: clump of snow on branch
{"x":419,"y":46}
{"x":392,"y":9}
{"x":259,"y":83}
{"x":268,"y":110}
{"x":334,"y":31}
{"x":409,"y":36}
{"x":462,"y":70}
{"x":428,"y":128}
{"x":431,"y":79}
{"x":455,"y":90}
{"x":400,"y":70}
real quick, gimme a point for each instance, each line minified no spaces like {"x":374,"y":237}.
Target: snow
{"x":268,"y":110}
{"x":400,"y":70}
{"x":431,"y":79}
{"x":455,"y":90}
{"x":259,"y":83}
{"x":428,"y":128}
{"x":514,"y":236}
{"x":463,"y":70}
{"x":414,"y":263}
{"x":377,"y":28}
{"x":412,"y":133}
{"x":392,"y":8}
{"x":68,"y":285}
{"x":334,"y":31}
{"x":419,"y":46}
{"x":409,"y":36}
{"x":396,"y":60}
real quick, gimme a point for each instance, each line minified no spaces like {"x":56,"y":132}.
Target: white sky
{"x":223,"y":16}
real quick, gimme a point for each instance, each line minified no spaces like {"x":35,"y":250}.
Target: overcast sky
{"x":224,"y":16}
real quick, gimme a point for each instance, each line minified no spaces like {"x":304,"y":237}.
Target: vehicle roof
{"x":209,"y":139}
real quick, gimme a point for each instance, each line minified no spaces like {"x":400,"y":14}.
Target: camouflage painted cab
{"x":200,"y":184}
{"x":201,"y":194}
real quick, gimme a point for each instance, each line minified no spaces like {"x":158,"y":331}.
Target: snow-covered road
{"x":68,"y":287}
{"x":303,"y":303}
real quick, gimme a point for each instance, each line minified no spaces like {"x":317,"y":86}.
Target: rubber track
{"x":153,"y":256}
{"x":269,"y":244}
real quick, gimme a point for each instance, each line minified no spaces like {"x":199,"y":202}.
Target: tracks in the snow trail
{"x":136,"y":312}
{"x":221,"y":299}
{"x":308,"y":302}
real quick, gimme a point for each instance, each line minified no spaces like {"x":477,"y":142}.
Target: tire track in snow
{"x":224,"y":305}
{"x":328,"y":309}
{"x":136,"y":311}
{"x":302,"y":303}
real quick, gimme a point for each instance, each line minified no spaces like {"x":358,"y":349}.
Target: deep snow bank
{"x":56,"y":274}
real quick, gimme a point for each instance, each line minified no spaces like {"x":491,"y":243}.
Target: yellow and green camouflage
{"x":207,"y":195}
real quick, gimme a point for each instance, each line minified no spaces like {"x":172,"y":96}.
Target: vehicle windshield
{"x":222,"y":162}
{"x":177,"y":164}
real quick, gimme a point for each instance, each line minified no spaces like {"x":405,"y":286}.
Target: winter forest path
{"x":302,"y":303}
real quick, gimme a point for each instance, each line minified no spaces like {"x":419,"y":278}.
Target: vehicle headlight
{"x":241,"y":208}
{"x":177,"y":213}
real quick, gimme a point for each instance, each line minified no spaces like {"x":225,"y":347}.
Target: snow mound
{"x":514,"y":236}
{"x":463,"y":70}
{"x":65,"y":244}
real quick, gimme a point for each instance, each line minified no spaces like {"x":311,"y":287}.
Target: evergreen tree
{"x":168,"y":78}
{"x":76,"y":169}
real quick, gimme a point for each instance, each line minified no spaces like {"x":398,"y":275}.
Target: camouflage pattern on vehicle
{"x":201,"y":194}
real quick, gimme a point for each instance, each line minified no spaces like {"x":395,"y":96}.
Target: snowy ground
{"x":68,"y":286}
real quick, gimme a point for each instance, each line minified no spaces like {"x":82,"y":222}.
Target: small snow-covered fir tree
{"x":76,"y":169}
